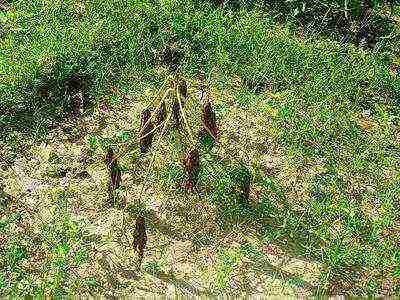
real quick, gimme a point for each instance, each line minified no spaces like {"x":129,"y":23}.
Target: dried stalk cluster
{"x":160,"y":117}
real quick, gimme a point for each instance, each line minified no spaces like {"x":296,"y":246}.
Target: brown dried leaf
{"x":210,"y":120}
{"x":109,"y":158}
{"x":161,"y":113}
{"x":145,"y":137}
{"x":176,"y":114}
{"x":115,"y":174}
{"x":140,"y":237}
{"x":192,"y":163}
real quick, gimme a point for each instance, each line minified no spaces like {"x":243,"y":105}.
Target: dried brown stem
{"x":125,"y":149}
{"x":184,"y":117}
{"x":152,"y":159}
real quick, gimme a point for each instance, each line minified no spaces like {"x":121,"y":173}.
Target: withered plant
{"x":174,"y":95}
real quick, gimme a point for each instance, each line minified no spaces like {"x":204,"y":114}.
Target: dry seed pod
{"x":161,"y":113}
{"x":115,"y":173}
{"x":192,"y":163}
{"x":109,"y":158}
{"x":115,"y":177}
{"x":210,"y":120}
{"x":176,"y":112}
{"x":140,"y":238}
{"x":145,"y":137}
{"x":115,"y":181}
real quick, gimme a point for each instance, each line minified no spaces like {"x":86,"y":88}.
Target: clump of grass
{"x":40,"y":256}
{"x":227,"y":261}
{"x":242,"y":178}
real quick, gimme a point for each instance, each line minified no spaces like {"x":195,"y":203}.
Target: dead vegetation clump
{"x":175,"y":95}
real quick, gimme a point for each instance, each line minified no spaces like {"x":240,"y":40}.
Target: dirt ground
{"x":186,"y":253}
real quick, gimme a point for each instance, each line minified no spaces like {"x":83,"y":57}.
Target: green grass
{"x":226,"y":265}
{"x":43,"y":48}
{"x":340,"y":207}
